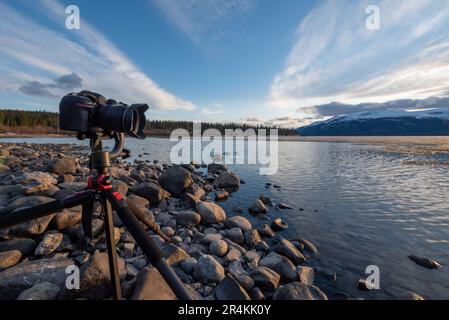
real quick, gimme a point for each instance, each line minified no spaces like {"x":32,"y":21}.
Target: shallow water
{"x":361,"y":207}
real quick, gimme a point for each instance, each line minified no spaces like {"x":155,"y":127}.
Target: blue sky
{"x":224,"y":60}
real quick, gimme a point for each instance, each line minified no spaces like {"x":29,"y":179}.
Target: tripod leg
{"x":151,"y":224}
{"x":112,"y":253}
{"x":147,"y":244}
{"x":45,"y":209}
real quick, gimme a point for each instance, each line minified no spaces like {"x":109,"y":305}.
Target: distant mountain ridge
{"x":382,"y":123}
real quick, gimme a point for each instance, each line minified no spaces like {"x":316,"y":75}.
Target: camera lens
{"x":121,"y":118}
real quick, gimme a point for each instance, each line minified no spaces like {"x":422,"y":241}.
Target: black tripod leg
{"x":147,"y":244}
{"x":112,"y":253}
{"x":42,"y":210}
{"x":150,"y":223}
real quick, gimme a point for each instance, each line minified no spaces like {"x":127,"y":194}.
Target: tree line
{"x":170,"y":125}
{"x":19,"y":118}
{"x":21,"y":121}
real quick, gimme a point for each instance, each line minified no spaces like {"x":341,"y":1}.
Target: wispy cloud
{"x":43,"y":54}
{"x":204,"y":21}
{"x":336,"y":58}
{"x":335,"y":108}
{"x":209,"y":112}
{"x":290,"y":120}
{"x":252,"y":119}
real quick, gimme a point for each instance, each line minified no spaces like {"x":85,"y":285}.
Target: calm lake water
{"x":361,"y":207}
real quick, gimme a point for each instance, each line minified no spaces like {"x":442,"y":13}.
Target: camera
{"x":90,"y":113}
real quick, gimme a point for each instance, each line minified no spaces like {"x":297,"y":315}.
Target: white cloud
{"x":204,"y":21}
{"x":252,"y":119}
{"x":335,"y":109}
{"x":208,"y":112}
{"x":335,"y":58}
{"x":288,"y":121}
{"x":40,"y":52}
{"x":291,"y":120}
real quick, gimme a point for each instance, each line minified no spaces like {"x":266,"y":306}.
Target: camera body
{"x":76,"y":112}
{"x":91,"y":113}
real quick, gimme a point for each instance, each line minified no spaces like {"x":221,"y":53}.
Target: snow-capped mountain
{"x":388,"y":122}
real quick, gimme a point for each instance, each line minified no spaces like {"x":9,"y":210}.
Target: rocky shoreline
{"x":217,"y":254}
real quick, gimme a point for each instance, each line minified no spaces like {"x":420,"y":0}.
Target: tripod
{"x":100,"y":189}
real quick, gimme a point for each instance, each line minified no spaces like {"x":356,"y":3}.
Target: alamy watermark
{"x":73,"y":20}
{"x":72,"y":282}
{"x":238,"y":146}
{"x":372,"y":21}
{"x":372,"y":282}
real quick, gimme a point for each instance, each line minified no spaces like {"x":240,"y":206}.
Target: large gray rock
{"x":41,"y":291}
{"x":48,"y":244}
{"x":308,"y":246}
{"x":221,"y":195}
{"x":218,"y":248}
{"x":63,"y":166}
{"x":26,"y":274}
{"x":298,"y":291}
{"x":151,"y":286}
{"x":139,"y":201}
{"x":188,"y":265}
{"x":257,"y":207}
{"x":230,"y":289}
{"x":245,"y":281}
{"x":11,"y":191}
{"x":210,"y":237}
{"x":9,"y":259}
{"x":256,"y":294}
{"x":252,"y":258}
{"x":265,"y":278}
{"x":216,"y":167}
{"x":210,"y":212}
{"x":174,"y":254}
{"x":233,"y":255}
{"x":196,"y":190}
{"x":72,"y":186}
{"x":175,"y":180}
{"x":236,"y":269}
{"x":425,"y":262}
{"x":238,"y":222}
{"x":95,"y":279}
{"x":282,"y":265}
{"x":67,"y":218}
{"x":26,"y":246}
{"x":188,"y":219}
{"x":252,"y":238}
{"x":37,"y":177}
{"x":266,"y":231}
{"x":306,"y":275}
{"x":31,"y":227}
{"x":235,"y":235}
{"x":151,"y":191}
{"x":25,"y":202}
{"x":119,"y":173}
{"x":287,"y":249}
{"x":227,"y":180}
{"x":208,"y":269}
{"x":44,"y":190}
